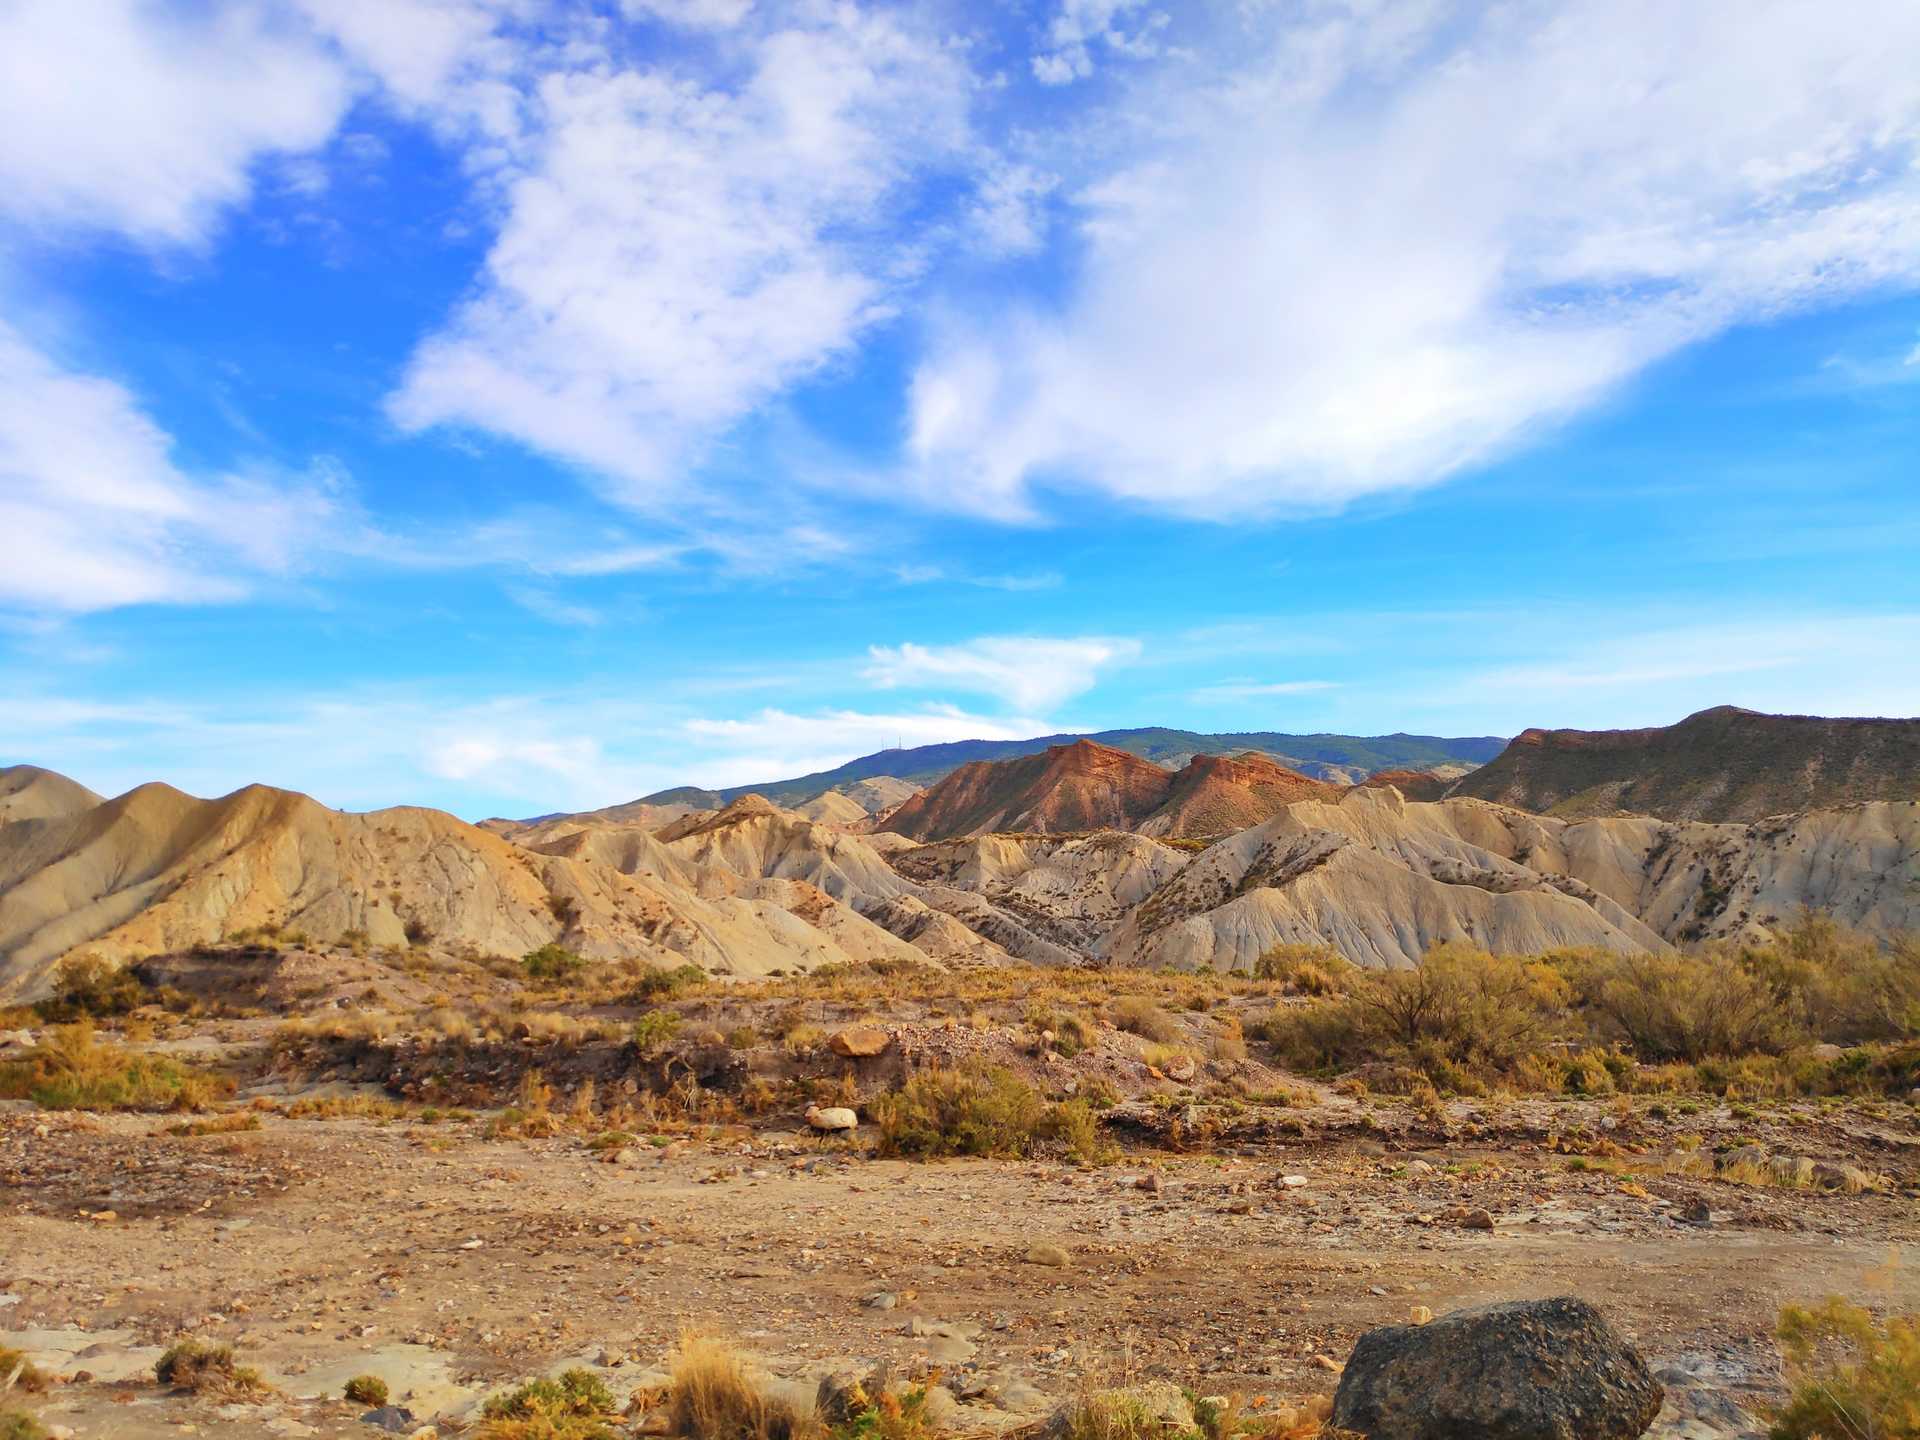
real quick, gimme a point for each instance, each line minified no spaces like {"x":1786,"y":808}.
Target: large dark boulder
{"x":1525,"y":1370}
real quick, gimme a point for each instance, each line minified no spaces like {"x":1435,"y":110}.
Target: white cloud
{"x":552,"y":609}
{"x":675,"y":253}
{"x":1081,"y":26}
{"x":96,"y":514}
{"x":1030,"y":673}
{"x":147,"y":119}
{"x":693,"y":14}
{"x":777,"y":745}
{"x":1328,"y":270}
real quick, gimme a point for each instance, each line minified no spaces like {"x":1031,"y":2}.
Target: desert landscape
{"x":922,"y":720}
{"x":1073,"y":1093}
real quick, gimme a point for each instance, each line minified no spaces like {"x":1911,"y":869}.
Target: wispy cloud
{"x":551,"y":608}
{"x":1359,"y":248}
{"x":1030,"y":673}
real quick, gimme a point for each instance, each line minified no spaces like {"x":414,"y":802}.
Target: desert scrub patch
{"x":90,"y":986}
{"x":18,"y":1425}
{"x":208,"y":1370}
{"x":368,"y":1390}
{"x":1852,"y":1375}
{"x":576,"y":1405}
{"x":1141,"y":1016}
{"x":712,"y":1395}
{"x":1072,"y":1030}
{"x":229,"y":1124}
{"x":655,"y":982}
{"x":654,"y":1029}
{"x":551,"y":964}
{"x":890,"y":1415}
{"x":73,"y":1071}
{"x":980,"y":1110}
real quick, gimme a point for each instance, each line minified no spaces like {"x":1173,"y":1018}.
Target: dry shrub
{"x":18,"y":1425}
{"x":1230,"y":1045}
{"x":712,"y":1395}
{"x":73,"y":1071}
{"x":1138,"y":1014}
{"x":1306,"y":969}
{"x":19,"y":1373}
{"x":1855,"y":1378}
{"x":1460,"y":1013}
{"x":231,"y":1123}
{"x":208,"y":1370}
{"x":575,"y":1406}
{"x":974,"y":1109}
{"x":1674,"y":1007}
{"x":368,"y":1390}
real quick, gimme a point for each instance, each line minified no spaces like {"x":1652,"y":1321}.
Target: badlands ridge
{"x":756,"y":888}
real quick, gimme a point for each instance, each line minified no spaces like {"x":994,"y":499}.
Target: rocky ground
{"x":452,"y":1261}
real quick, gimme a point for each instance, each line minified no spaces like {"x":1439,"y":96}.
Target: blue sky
{"x":511,"y":405}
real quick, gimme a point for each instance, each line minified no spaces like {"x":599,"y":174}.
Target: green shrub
{"x":576,"y":1406}
{"x":986,"y":1110}
{"x":1460,"y":1013}
{"x":1870,"y":1390}
{"x":552,"y":964}
{"x":18,"y":1425}
{"x":368,"y":1390}
{"x":654,"y":1029}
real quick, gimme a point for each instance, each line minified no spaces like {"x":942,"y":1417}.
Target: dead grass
{"x":228,"y":1124}
{"x":712,"y":1395}
{"x":1854,"y":1377}
{"x":1142,"y":1017}
{"x":74,"y":1071}
{"x":19,"y":1373}
{"x":208,"y":1370}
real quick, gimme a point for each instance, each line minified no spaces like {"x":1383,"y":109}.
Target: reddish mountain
{"x":1217,"y":795}
{"x":1082,"y":786}
{"x":1087,"y":786}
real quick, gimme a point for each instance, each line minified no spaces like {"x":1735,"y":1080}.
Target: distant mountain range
{"x":1338,"y":759}
{"x":1722,"y":764}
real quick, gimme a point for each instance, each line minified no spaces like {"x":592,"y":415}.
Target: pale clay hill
{"x":757,"y":888}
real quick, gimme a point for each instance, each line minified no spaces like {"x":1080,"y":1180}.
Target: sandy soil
{"x":454,"y":1262}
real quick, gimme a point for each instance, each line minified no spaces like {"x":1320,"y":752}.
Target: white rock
{"x":831,"y":1117}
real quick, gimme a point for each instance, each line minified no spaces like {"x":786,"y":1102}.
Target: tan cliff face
{"x":757,"y":888}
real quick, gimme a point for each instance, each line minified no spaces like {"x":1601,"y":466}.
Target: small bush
{"x":87,"y":985}
{"x":552,"y":964}
{"x":368,"y":1390}
{"x":982,"y":1110}
{"x":654,"y":1029}
{"x":576,"y":1406}
{"x":207,"y":1370}
{"x":1142,"y":1017}
{"x":1460,"y":1012}
{"x":72,"y":1071}
{"x":712,"y":1396}
{"x":1306,"y":969}
{"x":1870,"y":1391}
{"x":655,"y":983}
{"x":973,"y":1110}
{"x":18,"y":1425}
